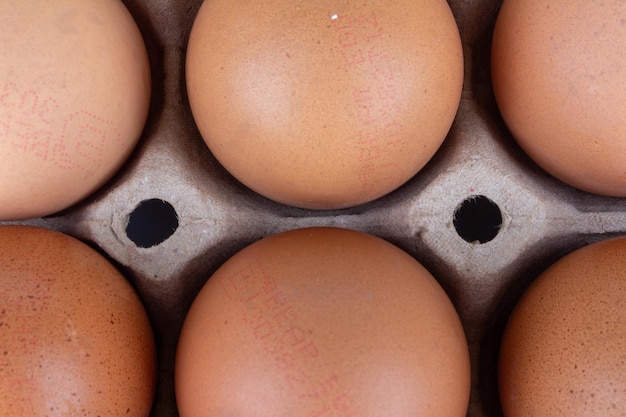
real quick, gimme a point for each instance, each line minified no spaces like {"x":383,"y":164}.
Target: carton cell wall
{"x":542,"y":219}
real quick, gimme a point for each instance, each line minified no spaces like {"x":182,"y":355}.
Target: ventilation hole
{"x":151,"y":223}
{"x":477,"y":219}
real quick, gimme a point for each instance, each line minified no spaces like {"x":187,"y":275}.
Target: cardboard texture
{"x":542,"y":218}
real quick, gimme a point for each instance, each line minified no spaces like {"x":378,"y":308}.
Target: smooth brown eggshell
{"x":75,"y":339}
{"x":564,"y":347}
{"x":559,"y":77}
{"x":322,"y":322}
{"x":74,"y":97}
{"x":324,"y":104}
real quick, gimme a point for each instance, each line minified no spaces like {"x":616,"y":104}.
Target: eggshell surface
{"x":322,"y":322}
{"x":564,"y":348}
{"x":74,"y":337}
{"x":559,"y":77}
{"x":325,"y":104}
{"x":75,"y":91}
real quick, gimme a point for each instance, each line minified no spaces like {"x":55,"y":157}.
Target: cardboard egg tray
{"x":534,"y":218}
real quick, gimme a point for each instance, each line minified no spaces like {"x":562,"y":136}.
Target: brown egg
{"x":559,"y":77}
{"x":564,"y":347}
{"x":74,"y":97}
{"x":74,"y":337}
{"x":324,"y":104}
{"x":322,"y":322}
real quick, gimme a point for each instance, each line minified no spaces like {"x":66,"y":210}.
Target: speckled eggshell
{"x":559,"y":77}
{"x":564,"y":348}
{"x":322,"y":322}
{"x":75,"y":90}
{"x":74,"y":337}
{"x":324,"y":104}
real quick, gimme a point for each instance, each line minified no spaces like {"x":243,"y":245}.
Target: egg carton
{"x":481,"y":216}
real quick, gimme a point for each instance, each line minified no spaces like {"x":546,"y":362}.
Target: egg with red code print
{"x":75,"y":90}
{"x":324,"y":104}
{"x":75,"y":339}
{"x":322,"y":322}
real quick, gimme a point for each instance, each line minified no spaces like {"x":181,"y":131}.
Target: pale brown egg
{"x":75,"y":339}
{"x":559,"y":77}
{"x":322,"y":322}
{"x":74,"y":98}
{"x":324,"y":104}
{"x":564,"y":348}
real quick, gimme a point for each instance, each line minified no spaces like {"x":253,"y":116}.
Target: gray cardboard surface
{"x":542,"y":218}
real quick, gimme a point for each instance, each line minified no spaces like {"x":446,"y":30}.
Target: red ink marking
{"x":362,"y":94}
{"x":48,"y":106}
{"x":294,"y":336}
{"x":83,"y":140}
{"x":22,"y":135}
{"x":77,"y":143}
{"x":341,"y":404}
{"x":29,"y":102}
{"x":5,"y":125}
{"x":472,"y":189}
{"x":31,"y":140}
{"x":377,"y":105}
{"x":308,"y":351}
{"x":371,"y":145}
{"x":10,"y":91}
{"x":275,"y":325}
{"x":353,"y":57}
{"x":347,"y":39}
{"x":242,"y":285}
{"x":363,"y":28}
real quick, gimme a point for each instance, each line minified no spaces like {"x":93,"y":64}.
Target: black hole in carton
{"x":477,"y":219}
{"x":152,"y":223}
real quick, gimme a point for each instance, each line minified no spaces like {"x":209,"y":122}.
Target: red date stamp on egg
{"x":284,"y":337}
{"x":35,"y":125}
{"x":361,"y":40}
